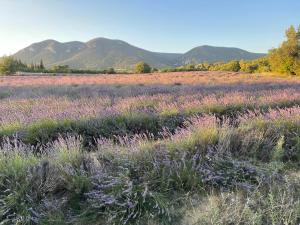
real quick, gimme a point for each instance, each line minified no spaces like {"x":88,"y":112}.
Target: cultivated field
{"x":165,"y":148}
{"x":190,"y":78}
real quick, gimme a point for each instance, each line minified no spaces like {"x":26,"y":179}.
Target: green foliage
{"x":188,"y":67}
{"x":230,"y":66}
{"x":8,"y":65}
{"x":60,"y":69}
{"x":274,"y":204}
{"x":203,"y":66}
{"x":254,"y":66}
{"x":41,"y":66}
{"x":249,"y":66}
{"x":142,"y":67}
{"x":4,"y":94}
{"x":285,"y":59}
{"x":278,"y":152}
{"x":124,"y":183}
{"x":110,"y":71}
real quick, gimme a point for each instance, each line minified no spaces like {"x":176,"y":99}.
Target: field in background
{"x":190,"y":78}
{"x":164,"y":148}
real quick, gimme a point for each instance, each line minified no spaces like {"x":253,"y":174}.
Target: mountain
{"x":216,"y":54}
{"x":101,"y":53}
{"x":104,"y":53}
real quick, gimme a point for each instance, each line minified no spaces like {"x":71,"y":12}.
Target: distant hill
{"x":101,"y":53}
{"x":215,"y":54}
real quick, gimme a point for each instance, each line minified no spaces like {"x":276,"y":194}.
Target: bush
{"x":142,"y":67}
{"x":233,"y":66}
{"x":257,"y":65}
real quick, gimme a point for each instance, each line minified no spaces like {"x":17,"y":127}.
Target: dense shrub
{"x":255,"y":66}
{"x":229,"y":66}
{"x":142,"y":67}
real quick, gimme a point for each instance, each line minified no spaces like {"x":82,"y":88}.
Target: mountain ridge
{"x":101,"y":53}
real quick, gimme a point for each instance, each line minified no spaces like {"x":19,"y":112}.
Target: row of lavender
{"x":140,"y":180}
{"x":25,"y":110}
{"x":159,"y":155}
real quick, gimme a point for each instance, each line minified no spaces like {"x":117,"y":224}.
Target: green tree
{"x":41,"y":66}
{"x":61,"y":69}
{"x":232,"y":66}
{"x":285,"y":59}
{"x":298,"y":37}
{"x":203,"y":66}
{"x":256,"y":65}
{"x":142,"y":67}
{"x":32,"y":67}
{"x":8,"y":65}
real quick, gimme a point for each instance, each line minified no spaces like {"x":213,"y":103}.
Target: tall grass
{"x":215,"y":152}
{"x":141,"y":180}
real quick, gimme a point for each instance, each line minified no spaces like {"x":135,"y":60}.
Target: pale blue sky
{"x":157,"y":25}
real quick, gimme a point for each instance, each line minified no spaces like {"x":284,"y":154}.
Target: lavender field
{"x":223,"y":152}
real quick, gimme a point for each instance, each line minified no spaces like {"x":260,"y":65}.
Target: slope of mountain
{"x":215,"y":54}
{"x":103,"y":53}
{"x":50,"y":51}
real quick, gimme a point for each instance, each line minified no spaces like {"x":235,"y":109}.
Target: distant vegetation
{"x":285,"y":60}
{"x":9,"y":66}
{"x":249,"y":66}
{"x":142,"y":67}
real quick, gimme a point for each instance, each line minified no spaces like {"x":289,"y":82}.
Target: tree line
{"x":9,"y":66}
{"x":249,"y":66}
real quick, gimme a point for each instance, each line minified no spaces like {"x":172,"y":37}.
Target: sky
{"x":156,"y":25}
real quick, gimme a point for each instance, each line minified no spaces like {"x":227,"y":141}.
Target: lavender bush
{"x":157,"y":154}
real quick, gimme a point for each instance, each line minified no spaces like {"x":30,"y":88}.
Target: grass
{"x":206,"y":157}
{"x":129,"y":123}
{"x":123,"y":183}
{"x":274,"y":204}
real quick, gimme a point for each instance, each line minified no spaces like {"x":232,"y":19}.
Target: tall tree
{"x":32,"y":67}
{"x":285,"y":58}
{"x":8,"y":65}
{"x":41,"y":67}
